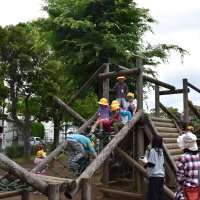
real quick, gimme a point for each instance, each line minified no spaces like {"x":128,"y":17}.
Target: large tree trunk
{"x":26,"y":131}
{"x":56,"y":121}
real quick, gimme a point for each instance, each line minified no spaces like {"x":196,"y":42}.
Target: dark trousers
{"x":155,"y":190}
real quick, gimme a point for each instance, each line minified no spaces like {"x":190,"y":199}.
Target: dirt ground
{"x":95,"y":187}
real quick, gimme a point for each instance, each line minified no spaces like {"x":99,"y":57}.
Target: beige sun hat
{"x":187,"y":141}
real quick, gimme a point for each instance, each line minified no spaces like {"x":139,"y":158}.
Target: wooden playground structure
{"x":128,"y":144}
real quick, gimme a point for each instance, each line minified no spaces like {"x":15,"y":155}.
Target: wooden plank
{"x":126,"y":72}
{"x":169,"y":140}
{"x":70,"y":111}
{"x":152,"y":80}
{"x":164,"y":124}
{"x":176,"y":151}
{"x":158,"y":119}
{"x":167,"y":129}
{"x":172,"y":146}
{"x":168,"y":135}
{"x":121,"y":193}
{"x":167,"y":92}
{"x":7,"y":194}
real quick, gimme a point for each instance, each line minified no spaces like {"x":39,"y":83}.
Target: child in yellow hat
{"x":121,"y":90}
{"x":104,"y":114}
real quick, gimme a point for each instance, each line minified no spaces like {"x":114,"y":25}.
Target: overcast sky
{"x":178,"y":23}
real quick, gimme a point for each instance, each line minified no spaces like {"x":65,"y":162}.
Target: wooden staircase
{"x":169,"y":131}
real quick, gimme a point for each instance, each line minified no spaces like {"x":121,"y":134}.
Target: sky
{"x":178,"y":24}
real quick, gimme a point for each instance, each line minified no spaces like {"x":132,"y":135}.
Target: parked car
{"x":35,"y":140}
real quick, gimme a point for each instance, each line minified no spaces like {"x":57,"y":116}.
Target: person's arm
{"x":180,"y":175}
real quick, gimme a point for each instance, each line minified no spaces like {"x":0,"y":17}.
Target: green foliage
{"x":86,"y":106}
{"x":16,"y":151}
{"x":88,"y":33}
{"x":37,"y":129}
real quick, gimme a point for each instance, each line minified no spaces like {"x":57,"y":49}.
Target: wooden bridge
{"x":129,"y":144}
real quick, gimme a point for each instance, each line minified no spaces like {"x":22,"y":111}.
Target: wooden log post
{"x":141,"y":169}
{"x":185,"y":100}
{"x":53,"y":191}
{"x":86,"y":188}
{"x":69,"y":110}
{"x":25,"y":176}
{"x":147,"y":78}
{"x":140,"y":134}
{"x":106,"y":87}
{"x":25,"y":195}
{"x":126,"y":72}
{"x":97,"y":162}
{"x":157,"y":101}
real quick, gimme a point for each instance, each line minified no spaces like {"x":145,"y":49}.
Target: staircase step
{"x":172,"y":146}
{"x":158,"y":119}
{"x":169,"y":140}
{"x":169,"y":130}
{"x":163,"y":124}
{"x":175,"y":151}
{"x":175,"y":157}
{"x":168,"y":135}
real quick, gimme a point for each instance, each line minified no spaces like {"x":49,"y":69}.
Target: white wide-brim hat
{"x":187,"y":141}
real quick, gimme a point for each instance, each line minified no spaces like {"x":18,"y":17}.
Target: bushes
{"x":16,"y":151}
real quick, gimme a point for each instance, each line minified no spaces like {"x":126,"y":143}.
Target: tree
{"x":21,"y":60}
{"x":88,"y":33}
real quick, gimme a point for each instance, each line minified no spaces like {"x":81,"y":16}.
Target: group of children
{"x":112,"y":118}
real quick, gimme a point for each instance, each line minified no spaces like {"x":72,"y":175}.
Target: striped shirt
{"x":187,"y":172}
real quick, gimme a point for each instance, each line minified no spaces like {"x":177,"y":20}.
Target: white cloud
{"x":178,"y":23}
{"x":15,"y":11}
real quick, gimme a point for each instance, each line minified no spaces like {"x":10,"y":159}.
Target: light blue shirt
{"x":84,"y":141}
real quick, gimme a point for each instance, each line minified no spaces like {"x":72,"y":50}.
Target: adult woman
{"x":188,"y":165}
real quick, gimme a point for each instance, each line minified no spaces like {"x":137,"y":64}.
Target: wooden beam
{"x":121,"y":193}
{"x":193,"y":87}
{"x":85,"y":86}
{"x":7,"y":194}
{"x":193,"y":109}
{"x":152,"y":80}
{"x":177,"y":91}
{"x":141,"y":169}
{"x":69,"y":110}
{"x":171,"y":115}
{"x":120,"y":73}
{"x":25,"y":176}
{"x":97,"y":162}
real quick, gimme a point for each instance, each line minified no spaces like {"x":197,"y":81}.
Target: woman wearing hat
{"x":121,"y":90}
{"x":188,"y":165}
{"x":104,"y":114}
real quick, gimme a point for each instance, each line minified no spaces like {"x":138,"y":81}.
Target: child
{"x":131,"y":103}
{"x":121,"y":117}
{"x":121,"y":90}
{"x":155,"y":169}
{"x":39,"y":157}
{"x":80,"y":152}
{"x":104,"y":114}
